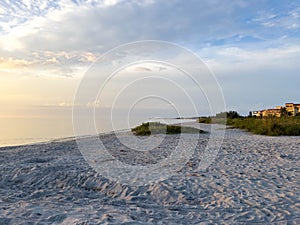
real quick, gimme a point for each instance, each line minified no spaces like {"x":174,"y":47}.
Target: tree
{"x":233,"y":114}
{"x":284,"y":112}
{"x":228,"y":115}
{"x":250,"y":114}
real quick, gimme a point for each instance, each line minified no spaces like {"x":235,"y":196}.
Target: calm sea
{"x":20,"y":131}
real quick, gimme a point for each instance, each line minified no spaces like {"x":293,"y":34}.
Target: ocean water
{"x":20,"y":131}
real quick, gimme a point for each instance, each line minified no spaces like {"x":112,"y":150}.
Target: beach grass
{"x":149,"y":128}
{"x":271,"y":126}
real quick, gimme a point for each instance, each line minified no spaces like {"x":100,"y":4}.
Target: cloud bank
{"x":239,"y":40}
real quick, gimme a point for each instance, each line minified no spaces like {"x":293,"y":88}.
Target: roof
{"x":277,"y":108}
{"x":272,"y":110}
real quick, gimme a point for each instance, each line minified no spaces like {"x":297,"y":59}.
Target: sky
{"x":46,"y":47}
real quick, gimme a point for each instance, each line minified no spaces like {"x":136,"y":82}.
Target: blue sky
{"x":192,"y":22}
{"x":253,"y":47}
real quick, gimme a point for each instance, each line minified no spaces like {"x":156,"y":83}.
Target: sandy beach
{"x":253,"y":180}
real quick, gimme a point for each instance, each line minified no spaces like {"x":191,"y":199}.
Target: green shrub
{"x":204,"y":120}
{"x":159,"y":128}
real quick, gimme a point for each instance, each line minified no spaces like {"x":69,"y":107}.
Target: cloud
{"x":89,"y":25}
{"x":288,"y":20}
{"x":147,"y":67}
{"x":93,"y":27}
{"x":11,"y":63}
{"x":249,"y":77}
{"x":57,"y":105}
{"x":73,"y":25}
{"x":142,"y":69}
{"x":110,"y":2}
{"x":14,"y":13}
{"x":233,"y":58}
{"x":237,"y":38}
{"x":47,"y":63}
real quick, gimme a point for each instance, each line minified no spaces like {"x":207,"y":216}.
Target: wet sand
{"x":253,"y":180}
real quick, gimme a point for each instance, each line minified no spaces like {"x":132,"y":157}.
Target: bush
{"x":204,"y":120}
{"x":159,"y":128}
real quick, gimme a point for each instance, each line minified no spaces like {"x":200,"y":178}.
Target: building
{"x":257,"y":113}
{"x":291,"y":108}
{"x":271,"y":112}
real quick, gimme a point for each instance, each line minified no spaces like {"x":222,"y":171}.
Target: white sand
{"x":254,"y":179}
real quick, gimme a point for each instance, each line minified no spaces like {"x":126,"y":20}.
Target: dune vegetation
{"x":272,"y":126}
{"x":149,"y":128}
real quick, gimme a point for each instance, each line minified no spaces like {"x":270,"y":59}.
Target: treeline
{"x":219,"y":117}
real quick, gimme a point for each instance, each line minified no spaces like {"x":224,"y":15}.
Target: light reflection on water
{"x":20,"y":131}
